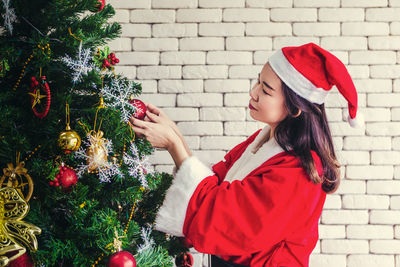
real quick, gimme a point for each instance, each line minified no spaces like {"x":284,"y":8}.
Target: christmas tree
{"x":77,"y":186}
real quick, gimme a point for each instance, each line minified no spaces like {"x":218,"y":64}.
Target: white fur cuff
{"x":171,"y":215}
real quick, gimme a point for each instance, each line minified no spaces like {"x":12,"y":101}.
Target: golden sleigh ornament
{"x":15,"y":233}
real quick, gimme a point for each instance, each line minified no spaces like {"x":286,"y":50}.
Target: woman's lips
{"x":251,"y":107}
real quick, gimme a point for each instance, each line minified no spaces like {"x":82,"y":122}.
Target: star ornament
{"x":36,"y":97}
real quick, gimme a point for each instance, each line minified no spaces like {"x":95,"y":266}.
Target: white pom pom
{"x":357,"y":122}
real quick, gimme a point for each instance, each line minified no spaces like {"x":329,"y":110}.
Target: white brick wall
{"x":197,"y":59}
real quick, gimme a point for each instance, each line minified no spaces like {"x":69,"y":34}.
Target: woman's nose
{"x":253,"y":92}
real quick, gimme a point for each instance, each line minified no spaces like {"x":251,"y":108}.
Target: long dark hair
{"x":306,"y":132}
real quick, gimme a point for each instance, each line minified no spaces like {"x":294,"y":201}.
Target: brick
{"x":173,"y":4}
{"x":209,"y":157}
{"x":344,"y":42}
{"x":241,"y":128}
{"x":155,"y":44}
{"x":394,"y":3}
{"x":244,"y":71}
{"x":269,"y":28}
{"x":248,"y":43}
{"x":280,"y":42}
{"x":332,"y":202}
{"x":367,"y":143}
{"x":351,"y":187}
{"x":127,"y":71}
{"x":136,"y":30}
{"x":182,"y":114}
{"x":226,"y":85}
{"x":164,"y":168}
{"x":316,"y":29}
{"x":229,"y":57}
{"x":385,"y":157}
{"x":376,"y":172}
{"x":382,"y":14}
{"x":205,"y":72}
{"x":395,"y":203}
{"x":316,"y":3}
{"x":337,"y":143}
{"x":341,"y":14}
{"x":396,"y":172}
{"x":148,"y":86}
{"x":358,"y":72}
{"x":373,"y":86}
{"x":353,"y":157}
{"x":369,"y":232}
{"x":344,"y":129}
{"x":396,"y":143}
{"x":199,"y":15}
{"x":201,"y":43}
{"x":220,"y":142}
{"x":120,"y":44}
{"x":121,"y":16}
{"x":395,"y":114}
{"x":384,"y":42}
{"x":200,"y":128}
{"x":370,"y":260}
{"x":159,"y":72}
{"x":344,"y":217}
{"x":221,"y":29}
{"x":222,"y":114}
{"x":269,"y":3}
{"x":130,"y":4}
{"x":161,"y":156}
{"x":383,"y":187}
{"x":383,"y":128}
{"x":385,"y":246}
{"x":245,"y":14}
{"x":180,"y":86}
{"x":396,"y":85}
{"x":159,"y":100}
{"x":372,"y":57}
{"x":183,"y":58}
{"x":341,"y":55}
{"x":174,"y":30}
{"x":365,"y":202}
{"x":152,"y":16}
{"x":395,"y":28}
{"x":342,"y":246}
{"x":199,"y":99}
{"x":385,"y":217}
{"x":365,"y":3}
{"x":374,"y":114}
{"x":221,"y":3}
{"x":331,"y":231}
{"x":327,"y":260}
{"x":385,"y":71}
{"x":365,"y":28}
{"x":236,"y":99}
{"x":334,"y":114}
{"x":139,"y":58}
{"x":293,"y":14}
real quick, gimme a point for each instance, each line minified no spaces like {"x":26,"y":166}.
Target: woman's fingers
{"x":153,"y":108}
{"x":153,"y":117}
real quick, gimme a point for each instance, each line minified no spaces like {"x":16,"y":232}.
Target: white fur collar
{"x":249,"y":160}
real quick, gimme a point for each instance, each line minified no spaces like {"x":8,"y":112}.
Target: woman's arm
{"x":178,"y":150}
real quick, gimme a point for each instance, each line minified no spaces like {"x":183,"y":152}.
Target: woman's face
{"x":267,"y":98}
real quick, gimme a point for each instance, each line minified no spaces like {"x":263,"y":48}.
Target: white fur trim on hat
{"x":295,"y":80}
{"x":171,"y":215}
{"x":357,"y":122}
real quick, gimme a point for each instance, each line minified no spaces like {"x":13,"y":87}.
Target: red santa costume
{"x":258,"y":208}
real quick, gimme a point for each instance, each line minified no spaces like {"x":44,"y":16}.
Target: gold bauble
{"x":69,"y":140}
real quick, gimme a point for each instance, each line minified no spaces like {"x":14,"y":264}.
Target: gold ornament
{"x":14,"y":177}
{"x":68,"y":140}
{"x":15,"y":234}
{"x":97,"y":151}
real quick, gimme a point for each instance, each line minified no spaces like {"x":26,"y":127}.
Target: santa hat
{"x":311,"y":72}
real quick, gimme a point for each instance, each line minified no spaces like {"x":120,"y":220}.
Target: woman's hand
{"x":155,"y":110}
{"x":157,"y":131}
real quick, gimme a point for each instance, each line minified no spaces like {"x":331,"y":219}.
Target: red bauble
{"x":22,"y":261}
{"x":101,"y":5}
{"x":140,"y":109}
{"x":122,"y":259}
{"x":185,"y":259}
{"x":66,"y":178}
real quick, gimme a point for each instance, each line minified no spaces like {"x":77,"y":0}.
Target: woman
{"x":260,"y":206}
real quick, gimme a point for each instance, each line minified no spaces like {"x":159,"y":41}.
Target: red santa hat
{"x":311,"y":71}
